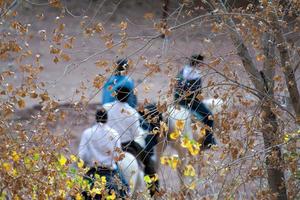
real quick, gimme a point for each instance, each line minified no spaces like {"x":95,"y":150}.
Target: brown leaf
{"x":55,"y":60}
{"x":21,"y":103}
{"x":98,"y":81}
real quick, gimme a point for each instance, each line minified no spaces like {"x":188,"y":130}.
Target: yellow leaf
{"x":73,"y":158}
{"x":194,"y":149}
{"x":192,"y":186}
{"x":163,"y":160}
{"x":6,"y":166}
{"x":95,"y":191}
{"x":15,"y":156}
{"x":185,"y":142}
{"x":189,"y":171}
{"x":62,"y":160}
{"x":286,"y":137}
{"x":80,"y":163}
{"x":103,"y":180}
{"x":175,"y":135}
{"x":173,"y":162}
{"x":112,"y":196}
{"x":78,"y":197}
{"x":147,"y":179}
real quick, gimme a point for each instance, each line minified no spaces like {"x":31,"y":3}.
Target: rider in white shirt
{"x":98,"y":147}
{"x":125,"y":120}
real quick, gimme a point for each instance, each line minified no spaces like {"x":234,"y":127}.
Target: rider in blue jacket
{"x":188,"y":87}
{"x":118,"y":80}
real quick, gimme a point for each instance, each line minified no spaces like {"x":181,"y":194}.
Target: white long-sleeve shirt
{"x":124,"y":119}
{"x":98,"y":145}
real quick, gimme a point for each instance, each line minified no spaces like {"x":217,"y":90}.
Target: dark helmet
{"x":196,"y":59}
{"x":122,"y":64}
{"x":101,"y":115}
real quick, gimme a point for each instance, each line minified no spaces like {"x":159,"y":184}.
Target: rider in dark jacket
{"x":188,"y":88}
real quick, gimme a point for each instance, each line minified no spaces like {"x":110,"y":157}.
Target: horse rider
{"x":125,"y":119}
{"x":117,"y":80}
{"x":188,"y":88}
{"x":98,"y":147}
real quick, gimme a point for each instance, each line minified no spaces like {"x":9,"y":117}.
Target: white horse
{"x":133,"y":174}
{"x":180,"y":113}
{"x":131,"y":169}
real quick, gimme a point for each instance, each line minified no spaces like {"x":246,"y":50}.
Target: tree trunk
{"x":265,"y":87}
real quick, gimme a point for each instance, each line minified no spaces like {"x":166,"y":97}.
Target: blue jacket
{"x":115,"y":82}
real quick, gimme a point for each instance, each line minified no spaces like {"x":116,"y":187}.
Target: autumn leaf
{"x":80,"y":163}
{"x":109,"y":44}
{"x":215,"y":62}
{"x":65,"y":57}
{"x":21,"y":103}
{"x":173,"y":162}
{"x":15,"y":156}
{"x":260,"y":57}
{"x":174,"y":135}
{"x":163,"y":160}
{"x":98,"y":81}
{"x":6,"y":166}
{"x":62,"y":160}
{"x":179,"y":125}
{"x":189,"y":171}
{"x":33,"y":95}
{"x":55,"y":60}
{"x":73,"y":158}
{"x":192,"y":186}
{"x":112,"y":196}
{"x":101,"y":63}
{"x":147,"y":179}
{"x":78,"y":196}
{"x":54,"y":50}
{"x":185,"y":142}
{"x":202,"y":132}
{"x":148,"y":16}
{"x":123,"y":25}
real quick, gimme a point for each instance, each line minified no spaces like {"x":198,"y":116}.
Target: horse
{"x":180,"y":113}
{"x":132,"y":173}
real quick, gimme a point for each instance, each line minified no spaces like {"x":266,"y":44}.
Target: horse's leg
{"x":160,"y":148}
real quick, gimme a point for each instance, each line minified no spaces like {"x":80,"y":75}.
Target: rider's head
{"x":122,"y":94}
{"x":101,"y":115}
{"x":121,"y":65}
{"x":196,"y":60}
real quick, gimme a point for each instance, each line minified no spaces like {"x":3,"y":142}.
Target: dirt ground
{"x":62,"y":79}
